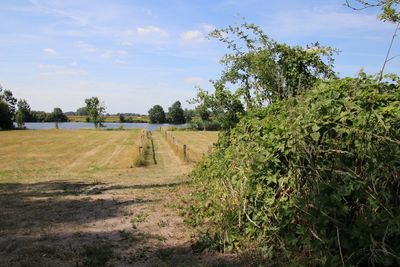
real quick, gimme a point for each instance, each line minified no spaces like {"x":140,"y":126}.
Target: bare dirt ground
{"x":123,"y":217}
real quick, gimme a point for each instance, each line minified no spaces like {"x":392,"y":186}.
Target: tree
{"x":121,"y":118}
{"x":6,"y":122}
{"x":225,"y":107}
{"x":262,"y":71}
{"x":38,"y":116}
{"x":23,"y":113}
{"x":95,"y":110}
{"x":188,"y":114}
{"x":157,"y":114}
{"x":203,"y":112}
{"x":176,"y":114}
{"x":7,"y":109}
{"x":82,"y":111}
{"x":58,"y":115}
{"x":9,"y":99}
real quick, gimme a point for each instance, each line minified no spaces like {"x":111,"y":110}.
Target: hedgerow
{"x":310,"y":180}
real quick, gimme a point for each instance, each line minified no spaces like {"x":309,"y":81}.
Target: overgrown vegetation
{"x":306,"y":170}
{"x":261,"y":71}
{"x":313,"y":179}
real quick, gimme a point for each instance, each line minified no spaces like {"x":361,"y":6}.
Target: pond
{"x":87,"y":125}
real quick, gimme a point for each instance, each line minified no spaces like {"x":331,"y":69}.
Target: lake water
{"x":86,"y":125}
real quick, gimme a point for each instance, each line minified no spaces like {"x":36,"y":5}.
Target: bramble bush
{"x":310,"y":180}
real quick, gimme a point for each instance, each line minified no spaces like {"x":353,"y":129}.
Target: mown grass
{"x":198,"y":143}
{"x":37,"y":154}
{"x":71,"y":198}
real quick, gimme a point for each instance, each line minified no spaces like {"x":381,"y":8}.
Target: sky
{"x":135,"y":54}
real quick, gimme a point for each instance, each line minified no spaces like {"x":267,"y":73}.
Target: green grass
{"x":138,"y":218}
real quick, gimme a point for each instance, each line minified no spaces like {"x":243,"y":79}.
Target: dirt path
{"x":130,"y":222}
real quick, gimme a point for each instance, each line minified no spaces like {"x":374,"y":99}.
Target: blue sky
{"x":134,"y":54}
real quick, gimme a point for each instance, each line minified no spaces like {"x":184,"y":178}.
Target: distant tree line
{"x":82,"y":111}
{"x":19,"y":111}
{"x":175,"y":114}
{"x":201,"y":118}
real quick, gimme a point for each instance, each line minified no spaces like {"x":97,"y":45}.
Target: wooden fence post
{"x":184,"y":152}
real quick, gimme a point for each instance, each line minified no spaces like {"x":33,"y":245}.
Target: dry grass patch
{"x":198,"y":143}
{"x":57,"y":153}
{"x":76,"y":202}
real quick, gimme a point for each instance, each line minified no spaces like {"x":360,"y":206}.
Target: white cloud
{"x":199,"y":35}
{"x":73,"y":64}
{"x":207,"y":28}
{"x":193,"y":36}
{"x":113,"y":53}
{"x":88,"y":47}
{"x":195,"y":81}
{"x":143,"y":35}
{"x":49,"y":51}
{"x":151,"y":30}
{"x":49,"y":70}
{"x":104,"y":53}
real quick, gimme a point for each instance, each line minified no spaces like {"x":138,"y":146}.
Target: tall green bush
{"x":311,"y":180}
{"x":6,"y":122}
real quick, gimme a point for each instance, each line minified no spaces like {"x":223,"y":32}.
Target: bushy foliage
{"x":188,"y":114}
{"x":7,"y":109}
{"x":258,"y":71}
{"x":82,"y":111}
{"x":157,"y":114}
{"x":40,"y":116}
{"x":95,"y":109}
{"x":206,"y":125}
{"x":121,"y":118}
{"x":6,"y":122}
{"x":176,"y":114}
{"x":23,"y":113}
{"x":8,"y":97}
{"x":311,"y":180}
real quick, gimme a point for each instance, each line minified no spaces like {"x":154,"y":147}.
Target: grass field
{"x":32,"y":154}
{"x":71,"y":198}
{"x":197,"y":143}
